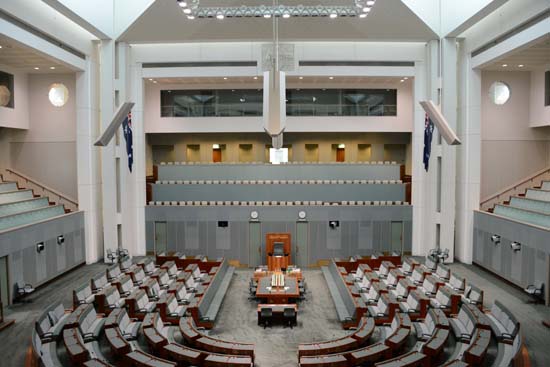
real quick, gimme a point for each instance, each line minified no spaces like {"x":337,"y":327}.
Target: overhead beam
{"x":470,"y":21}
{"x":41,"y":46}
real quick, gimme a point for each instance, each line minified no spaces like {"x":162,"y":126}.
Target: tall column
{"x":468,"y":154}
{"x":88,"y":158}
{"x":447,"y":181}
{"x":108,"y":153}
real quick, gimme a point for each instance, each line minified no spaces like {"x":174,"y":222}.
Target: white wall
{"x":47,"y":150}
{"x":539,"y":114}
{"x":403,"y":122}
{"x":17,"y":117}
{"x":511,"y":149}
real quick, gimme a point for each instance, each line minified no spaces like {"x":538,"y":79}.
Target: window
{"x":499,"y":93}
{"x":58,"y":94}
{"x":547,"y":88}
{"x":341,"y":102}
{"x":211,"y":103}
{"x":6,"y":90}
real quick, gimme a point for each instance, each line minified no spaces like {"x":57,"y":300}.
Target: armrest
{"x":507,"y":336}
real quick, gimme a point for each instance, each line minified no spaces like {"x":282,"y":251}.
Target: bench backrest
{"x":82,"y":293}
{"x":457,"y":282}
{"x":99,"y":281}
{"x":113,"y":272}
{"x":505,"y":317}
{"x":443,"y":297}
{"x":443,"y":271}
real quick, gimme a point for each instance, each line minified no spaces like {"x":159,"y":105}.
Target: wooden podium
{"x":277,"y":246}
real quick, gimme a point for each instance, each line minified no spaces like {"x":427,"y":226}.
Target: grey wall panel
{"x":27,"y":265}
{"x":280,"y":172}
{"x":349,"y":239}
{"x":150,"y":236}
{"x":343,"y":192}
{"x":522,"y":268}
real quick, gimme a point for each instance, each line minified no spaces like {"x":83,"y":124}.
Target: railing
{"x":505,"y":194}
{"x":252,"y":109}
{"x":40,"y":189}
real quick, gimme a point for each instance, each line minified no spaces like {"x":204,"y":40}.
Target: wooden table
{"x":278,"y":295}
{"x":277,"y":309}
{"x":293,"y":274}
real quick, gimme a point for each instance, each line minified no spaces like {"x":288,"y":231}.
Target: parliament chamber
{"x":282,"y":183}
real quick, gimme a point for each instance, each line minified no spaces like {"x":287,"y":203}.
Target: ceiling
{"x":25,"y":59}
{"x":534,"y":57}
{"x":389,"y":20}
{"x":294,"y":80}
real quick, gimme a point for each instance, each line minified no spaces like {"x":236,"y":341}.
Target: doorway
{"x":4,"y":281}
{"x":340,"y":154}
{"x":302,"y":244}
{"x":397,"y":236}
{"x":216,"y":155}
{"x":160,"y":237}
{"x":254,"y":244}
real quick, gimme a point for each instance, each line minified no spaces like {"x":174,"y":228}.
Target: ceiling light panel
{"x":355,"y":8}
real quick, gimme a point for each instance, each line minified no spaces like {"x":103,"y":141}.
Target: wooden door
{"x":340,"y":155}
{"x":216,"y":155}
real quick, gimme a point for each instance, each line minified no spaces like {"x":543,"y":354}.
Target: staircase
{"x":21,"y":205}
{"x":527,"y":201}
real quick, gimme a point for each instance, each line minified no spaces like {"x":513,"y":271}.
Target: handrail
{"x":71,"y":203}
{"x":516,"y":188}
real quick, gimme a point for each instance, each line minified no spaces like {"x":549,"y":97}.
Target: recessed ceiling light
{"x":36,"y":68}
{"x":331,"y":77}
{"x":370,"y":2}
{"x":183,"y":4}
{"x":220,"y":16}
{"x":190,"y":17}
{"x":150,"y":79}
{"x":333,"y":15}
{"x":504,"y":65}
{"x":286,"y":15}
{"x":301,"y":78}
{"x":187,"y":11}
{"x":0,"y":46}
{"x":52,"y":67}
{"x":364,"y":15}
{"x":366,"y":9}
{"x":154,"y":82}
{"x":267,"y":15}
{"x":520,"y":65}
{"x":224,"y":78}
{"x":406,"y":78}
{"x":255,"y":78}
{"x":402,"y":80}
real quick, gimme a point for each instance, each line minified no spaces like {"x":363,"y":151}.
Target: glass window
{"x":211,"y":103}
{"x":499,"y":93}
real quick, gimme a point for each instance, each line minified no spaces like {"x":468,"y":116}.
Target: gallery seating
{"x":129,"y":328}
{"x":83,"y":295}
{"x":384,"y":310}
{"x":411,"y":359}
{"x":416,"y":305}
{"x":504,"y":325}
{"x":169,"y":309}
{"x":397,"y":333}
{"x":99,"y":282}
{"x":51,"y":323}
{"x":473,"y":295}
{"x":139,"y":358}
{"x":139,"y":304}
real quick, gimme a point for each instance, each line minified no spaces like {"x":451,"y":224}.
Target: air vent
{"x":205,"y":64}
{"x":7,"y":17}
{"x":511,"y":33}
{"x":357,"y":63}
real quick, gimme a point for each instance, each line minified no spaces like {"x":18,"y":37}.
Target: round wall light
{"x":5,"y":96}
{"x":58,"y":94}
{"x":499,"y":93}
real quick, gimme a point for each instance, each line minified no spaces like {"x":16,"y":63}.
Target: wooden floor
{"x":15,"y":340}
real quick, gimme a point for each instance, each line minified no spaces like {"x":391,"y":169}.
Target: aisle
{"x":277,"y":345}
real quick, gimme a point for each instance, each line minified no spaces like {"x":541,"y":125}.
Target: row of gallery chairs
{"x":267,"y":163}
{"x":276,"y":203}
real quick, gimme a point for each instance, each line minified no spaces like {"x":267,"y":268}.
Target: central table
{"x":278,"y":295}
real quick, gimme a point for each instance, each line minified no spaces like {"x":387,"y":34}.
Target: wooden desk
{"x":278,"y":295}
{"x":293,"y":274}
{"x":277,"y":309}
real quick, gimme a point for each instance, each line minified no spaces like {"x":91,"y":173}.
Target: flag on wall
{"x":428,"y":134}
{"x":127,"y":129}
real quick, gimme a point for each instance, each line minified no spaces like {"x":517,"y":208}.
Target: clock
{"x":254,"y":215}
{"x":302,"y":214}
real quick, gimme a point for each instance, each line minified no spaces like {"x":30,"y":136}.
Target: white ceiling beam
{"x":127,"y":12}
{"x":460,"y":16}
{"x":428,"y":11}
{"x":46,"y":19}
{"x":519,"y":41}
{"x":41,"y":46}
{"x":94,"y":16}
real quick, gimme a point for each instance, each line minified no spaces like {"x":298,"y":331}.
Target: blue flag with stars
{"x":127,"y":129}
{"x":428,"y":134}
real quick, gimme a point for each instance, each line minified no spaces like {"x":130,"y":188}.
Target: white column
{"x":448,"y":153}
{"x":88,"y":160}
{"x":424,"y":183}
{"x":139,"y":175}
{"x":108,"y":153}
{"x":468,"y":155}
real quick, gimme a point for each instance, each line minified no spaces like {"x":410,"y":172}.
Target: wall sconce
{"x":60,"y":240}
{"x":333,"y":224}
{"x":495,"y":239}
{"x":215,"y":146}
{"x":341,"y":146}
{"x":40,"y":247}
{"x":516,"y":246}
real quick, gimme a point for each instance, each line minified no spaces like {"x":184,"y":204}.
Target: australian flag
{"x":127,"y":129}
{"x":428,"y":134}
